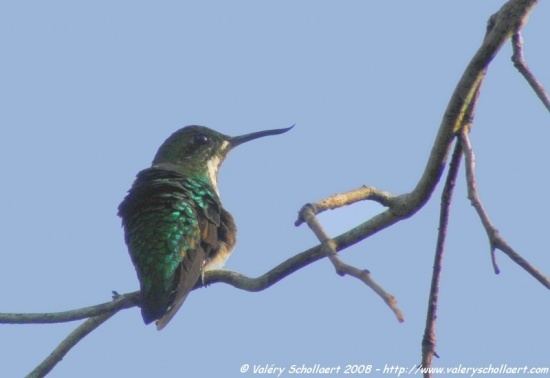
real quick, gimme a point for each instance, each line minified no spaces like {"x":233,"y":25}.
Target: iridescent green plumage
{"x":174,"y":223}
{"x":163,"y":215}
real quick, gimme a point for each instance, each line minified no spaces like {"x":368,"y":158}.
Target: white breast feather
{"x":213,"y":165}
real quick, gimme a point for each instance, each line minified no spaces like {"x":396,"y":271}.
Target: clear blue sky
{"x":89,"y":91}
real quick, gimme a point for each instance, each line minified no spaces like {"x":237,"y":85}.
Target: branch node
{"x":521,"y":65}
{"x":495,"y":240}
{"x":330,"y":247}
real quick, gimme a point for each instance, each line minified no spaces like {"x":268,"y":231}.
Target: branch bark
{"x":307,"y":213}
{"x":118,"y":303}
{"x":70,"y":341}
{"x":496,"y":241}
{"x":429,"y":339}
{"x":521,"y":65}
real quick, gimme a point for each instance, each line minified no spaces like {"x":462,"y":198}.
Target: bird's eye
{"x":200,"y":139}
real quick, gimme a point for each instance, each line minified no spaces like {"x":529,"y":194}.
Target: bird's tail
{"x":190,"y":272}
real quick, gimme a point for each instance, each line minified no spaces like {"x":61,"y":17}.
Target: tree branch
{"x":70,"y":341}
{"x":307,"y":213}
{"x":521,"y":65}
{"x":343,"y":199}
{"x":495,"y":240}
{"x":118,"y":303}
{"x":428,"y":341}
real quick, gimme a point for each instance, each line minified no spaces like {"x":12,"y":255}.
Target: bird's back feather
{"x":171,"y":224}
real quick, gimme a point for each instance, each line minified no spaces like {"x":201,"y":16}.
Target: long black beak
{"x":235,"y":141}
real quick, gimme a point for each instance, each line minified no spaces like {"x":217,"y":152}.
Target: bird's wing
{"x":189,"y":273}
{"x":172,"y":225}
{"x":162,"y":233}
{"x":208,"y":212}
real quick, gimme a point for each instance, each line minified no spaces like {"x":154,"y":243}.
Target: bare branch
{"x":521,"y":65}
{"x":429,"y":338}
{"x":118,"y":303}
{"x":343,"y":199}
{"x":428,"y":341}
{"x":502,"y":25}
{"x":307,"y":213}
{"x":459,"y":109}
{"x":70,"y":341}
{"x":495,"y":240}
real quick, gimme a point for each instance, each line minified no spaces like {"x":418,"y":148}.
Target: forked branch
{"x":496,"y":241}
{"x":521,"y":65}
{"x":307,"y":214}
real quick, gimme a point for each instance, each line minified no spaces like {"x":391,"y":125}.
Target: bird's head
{"x":200,"y":150}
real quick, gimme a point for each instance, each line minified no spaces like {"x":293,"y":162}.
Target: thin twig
{"x":495,"y":240}
{"x":118,"y":303}
{"x":428,"y":341}
{"x":429,"y":338}
{"x":343,"y":199}
{"x":308,"y":215}
{"x":521,"y":65}
{"x":74,"y":337}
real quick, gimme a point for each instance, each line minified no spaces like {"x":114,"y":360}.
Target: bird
{"x":175,"y":226}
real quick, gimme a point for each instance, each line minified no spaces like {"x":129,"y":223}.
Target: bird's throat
{"x":213,"y":166}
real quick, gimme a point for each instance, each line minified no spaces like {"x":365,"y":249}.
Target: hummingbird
{"x":174,"y":223}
